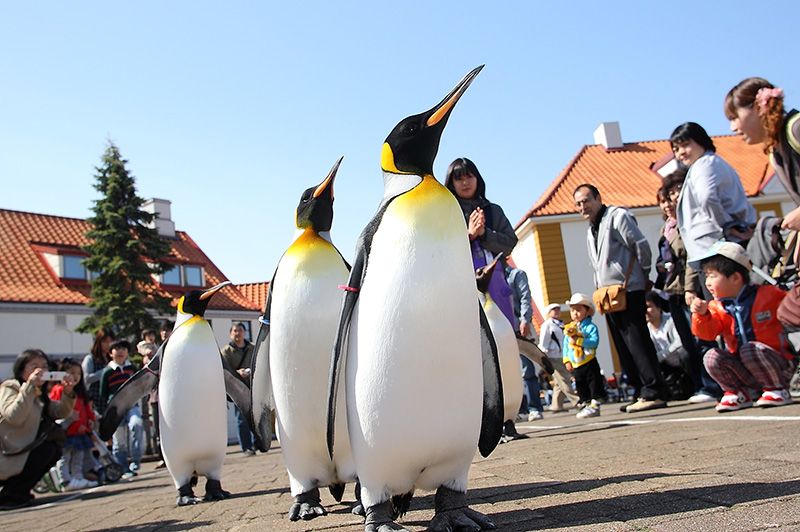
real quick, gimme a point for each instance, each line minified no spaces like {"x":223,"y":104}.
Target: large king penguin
{"x":422,"y":377}
{"x":191,"y":401}
{"x":301,"y":315}
{"x":507,"y":351}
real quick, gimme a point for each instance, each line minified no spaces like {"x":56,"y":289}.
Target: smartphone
{"x":54,"y":375}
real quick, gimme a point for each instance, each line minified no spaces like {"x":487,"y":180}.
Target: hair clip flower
{"x":764,"y":94}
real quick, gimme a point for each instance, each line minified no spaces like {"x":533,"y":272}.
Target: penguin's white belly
{"x":305,"y":309}
{"x":414,"y":371}
{"x":508,"y":355}
{"x":191,"y":393}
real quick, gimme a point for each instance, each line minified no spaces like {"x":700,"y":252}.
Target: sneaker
{"x":643,"y":404}
{"x":624,"y":406}
{"x":250,"y":452}
{"x":774,"y":398}
{"x":535,"y":415}
{"x":590,"y":410}
{"x":522,"y":416}
{"x":127,"y":475}
{"x":91,"y":483}
{"x":134,"y":467}
{"x":75,"y":484}
{"x":161,"y":465}
{"x":733,"y":401}
{"x":702,"y":397}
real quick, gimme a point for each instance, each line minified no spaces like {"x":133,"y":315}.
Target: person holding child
{"x":579,"y":348}
{"x":757,"y":359}
{"x":118,"y":371}
{"x":78,"y":446}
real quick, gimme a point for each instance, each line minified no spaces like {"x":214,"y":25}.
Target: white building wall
{"x":526,"y":259}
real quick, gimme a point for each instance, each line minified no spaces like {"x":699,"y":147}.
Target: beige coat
{"x":20,"y":414}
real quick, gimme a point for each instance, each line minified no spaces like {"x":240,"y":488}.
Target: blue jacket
{"x":580,"y":348}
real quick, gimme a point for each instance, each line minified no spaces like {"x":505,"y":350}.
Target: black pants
{"x":589,"y":381}
{"x":636,"y":351}
{"x":40,"y":460}
{"x":677,"y":309}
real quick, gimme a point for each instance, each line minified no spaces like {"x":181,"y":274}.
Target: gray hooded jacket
{"x":619,"y":241}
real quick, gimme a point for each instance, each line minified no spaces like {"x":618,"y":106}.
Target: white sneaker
{"x":702,"y":397}
{"x":522,"y":417}
{"x":590,"y":410}
{"x":534,"y":415}
{"x":76,"y":484}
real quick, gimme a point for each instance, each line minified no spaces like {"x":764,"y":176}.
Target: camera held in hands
{"x":54,"y":375}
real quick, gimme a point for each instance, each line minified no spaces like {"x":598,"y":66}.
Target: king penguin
{"x":302,"y":313}
{"x":191,"y":400}
{"x":421,"y":372}
{"x":507,"y":352}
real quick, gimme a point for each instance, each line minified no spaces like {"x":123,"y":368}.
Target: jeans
{"x":128,"y":438}
{"x":245,"y":436}
{"x":530,"y":398}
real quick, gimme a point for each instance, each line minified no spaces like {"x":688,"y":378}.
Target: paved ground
{"x":681,"y":468}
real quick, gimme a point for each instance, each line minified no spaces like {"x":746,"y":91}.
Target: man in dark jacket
{"x":238,"y":354}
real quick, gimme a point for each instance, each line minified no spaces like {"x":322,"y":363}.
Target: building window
{"x":193,"y":275}
{"x":73,"y":267}
{"x":172,"y":276}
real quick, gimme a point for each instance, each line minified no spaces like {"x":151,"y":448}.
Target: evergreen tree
{"x":123,"y":254}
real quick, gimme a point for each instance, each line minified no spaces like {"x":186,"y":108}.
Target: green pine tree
{"x":123,"y":254}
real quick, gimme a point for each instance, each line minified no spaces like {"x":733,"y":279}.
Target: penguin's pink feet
{"x":452,"y":513}
{"x":306,"y":506}
{"x":379,"y":519}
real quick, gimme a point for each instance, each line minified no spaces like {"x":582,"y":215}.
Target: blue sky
{"x":230,"y":110}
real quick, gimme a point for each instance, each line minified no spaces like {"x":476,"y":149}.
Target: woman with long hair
{"x":93,"y":365}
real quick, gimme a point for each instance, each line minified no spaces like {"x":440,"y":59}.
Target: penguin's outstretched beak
{"x":412,"y":145}
{"x":483,"y":275}
{"x":207,"y":294}
{"x":441,"y":111}
{"x":328,"y":181}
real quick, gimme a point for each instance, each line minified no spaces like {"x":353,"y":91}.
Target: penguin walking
{"x":420,"y":365}
{"x":191,"y":401}
{"x":302,"y":314}
{"x":507,"y":352}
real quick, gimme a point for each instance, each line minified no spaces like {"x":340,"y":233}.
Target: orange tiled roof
{"x":624,"y":177}
{"x":255,"y":292}
{"x":25,"y":278}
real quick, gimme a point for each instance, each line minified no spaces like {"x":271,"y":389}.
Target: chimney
{"x":162,"y":222}
{"x":607,"y":134}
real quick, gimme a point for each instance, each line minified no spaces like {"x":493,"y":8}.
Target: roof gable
{"x":25,"y":276}
{"x":625,"y":176}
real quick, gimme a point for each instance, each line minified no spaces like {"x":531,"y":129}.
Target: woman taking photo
{"x":490,"y":232}
{"x":27,"y":428}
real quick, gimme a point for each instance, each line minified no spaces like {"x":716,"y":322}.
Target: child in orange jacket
{"x":757,"y":358}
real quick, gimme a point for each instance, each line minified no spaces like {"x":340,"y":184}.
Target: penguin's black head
{"x":412,"y":145}
{"x":483,"y":275}
{"x":195,"y":302}
{"x":315,"y":210}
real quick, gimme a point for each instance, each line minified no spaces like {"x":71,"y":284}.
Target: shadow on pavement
{"x":631,"y":507}
{"x":170,"y":525}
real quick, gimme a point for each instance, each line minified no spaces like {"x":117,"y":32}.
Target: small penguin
{"x":507,"y":352}
{"x":191,"y":401}
{"x":302,"y":312}
{"x":420,"y":365}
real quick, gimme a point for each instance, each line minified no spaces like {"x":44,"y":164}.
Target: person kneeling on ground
{"x":757,"y":359}
{"x":581,"y":339}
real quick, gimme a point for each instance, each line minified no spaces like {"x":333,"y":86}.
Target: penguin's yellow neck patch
{"x":432,"y":206}
{"x":193,"y":320}
{"x":387,"y":160}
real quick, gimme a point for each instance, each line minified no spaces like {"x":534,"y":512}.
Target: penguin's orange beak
{"x":213,"y":290}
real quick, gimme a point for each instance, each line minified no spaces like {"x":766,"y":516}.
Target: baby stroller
{"x":110,"y":470}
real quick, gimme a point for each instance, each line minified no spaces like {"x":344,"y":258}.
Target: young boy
{"x":757,"y":358}
{"x":578,"y":352}
{"x":118,"y":371}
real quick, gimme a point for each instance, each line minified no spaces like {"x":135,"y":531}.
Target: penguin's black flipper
{"x":339,"y":346}
{"x":140,"y":384}
{"x":492,"y":420}
{"x":261,"y":403}
{"x":531,"y":351}
{"x":239,"y":393}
